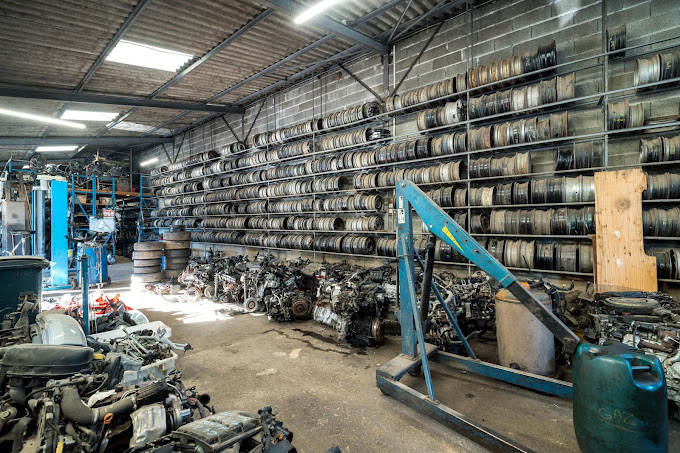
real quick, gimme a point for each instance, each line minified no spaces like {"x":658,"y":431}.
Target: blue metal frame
{"x":417,"y":353}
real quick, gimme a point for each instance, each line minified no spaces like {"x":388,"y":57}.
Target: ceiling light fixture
{"x":315,"y":9}
{"x":148,"y":162}
{"x":44,"y":149}
{"x":136,"y":54}
{"x":84,"y":115}
{"x":42,"y":118}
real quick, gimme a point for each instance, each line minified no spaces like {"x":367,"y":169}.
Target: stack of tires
{"x":177,"y":252}
{"x":146,"y":258}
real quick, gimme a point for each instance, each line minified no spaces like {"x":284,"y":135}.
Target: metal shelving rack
{"x":127,"y":208}
{"x":96,"y":188}
{"x":597,"y":100}
{"x":146,"y":203}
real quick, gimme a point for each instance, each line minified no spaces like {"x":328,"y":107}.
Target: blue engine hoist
{"x":415,"y":353}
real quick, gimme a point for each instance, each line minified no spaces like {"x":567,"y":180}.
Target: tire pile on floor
{"x":147,"y":258}
{"x":177,"y":252}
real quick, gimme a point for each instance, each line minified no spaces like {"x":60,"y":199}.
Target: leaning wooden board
{"x":621,"y":262}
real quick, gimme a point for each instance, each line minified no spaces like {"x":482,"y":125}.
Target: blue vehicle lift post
{"x":59,"y":243}
{"x":415,"y":353}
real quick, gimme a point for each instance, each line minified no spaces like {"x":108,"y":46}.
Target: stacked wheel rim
{"x":146,"y":259}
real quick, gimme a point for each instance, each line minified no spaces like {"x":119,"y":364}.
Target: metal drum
{"x":523,"y":341}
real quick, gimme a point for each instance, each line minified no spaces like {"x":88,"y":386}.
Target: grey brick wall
{"x":499,"y":30}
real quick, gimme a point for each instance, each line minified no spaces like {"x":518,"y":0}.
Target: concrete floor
{"x":326,"y":391}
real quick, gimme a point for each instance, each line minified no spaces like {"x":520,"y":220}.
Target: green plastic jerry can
{"x":620,"y":401}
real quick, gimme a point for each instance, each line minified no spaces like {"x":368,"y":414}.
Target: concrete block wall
{"x":497,"y":30}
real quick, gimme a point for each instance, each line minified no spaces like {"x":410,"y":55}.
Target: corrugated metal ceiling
{"x":52,"y":45}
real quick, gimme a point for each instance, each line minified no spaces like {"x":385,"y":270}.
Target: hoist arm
{"x":409,"y":196}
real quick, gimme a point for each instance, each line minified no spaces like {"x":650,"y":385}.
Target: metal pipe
{"x":427,"y":278}
{"x":85,"y":286}
{"x":394,"y":30}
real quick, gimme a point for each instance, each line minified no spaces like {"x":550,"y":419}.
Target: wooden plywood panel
{"x":621,"y":262}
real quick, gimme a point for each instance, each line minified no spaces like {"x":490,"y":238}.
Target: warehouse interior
{"x":340,"y":226}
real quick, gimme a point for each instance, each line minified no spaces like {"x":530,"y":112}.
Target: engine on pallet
{"x":470,"y":300}
{"x":355,"y":301}
{"x":645,"y":321}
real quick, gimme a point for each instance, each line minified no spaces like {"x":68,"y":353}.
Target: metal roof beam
{"x":102,"y":56}
{"x":56,"y":141}
{"x":114,"y":100}
{"x":383,"y":35}
{"x":305,"y":72}
{"x":262,"y":16}
{"x":258,"y":93}
{"x":331,"y":25}
{"x":273,"y":67}
{"x":442,"y":7}
{"x":186,"y":71}
{"x":114,"y":41}
{"x":344,"y":54}
{"x":376,"y":12}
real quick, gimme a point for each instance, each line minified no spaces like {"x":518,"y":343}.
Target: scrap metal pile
{"x":359,"y":303}
{"x":62,"y":392}
{"x":645,"y":321}
{"x":266,"y":284}
{"x":106,"y":313}
{"x":144,"y":352}
{"x":97,"y":166}
{"x":351,"y":299}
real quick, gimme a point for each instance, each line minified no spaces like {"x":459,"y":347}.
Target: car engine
{"x":355,"y":301}
{"x":470,"y":300}
{"x":61,"y":392}
{"x":646,"y":321}
{"x":224,"y":432}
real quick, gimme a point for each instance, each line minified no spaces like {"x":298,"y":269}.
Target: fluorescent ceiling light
{"x":42,"y":118}
{"x":42,"y":149}
{"x":84,"y":115}
{"x":132,"y":53}
{"x":315,"y":9}
{"x":148,"y":162}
